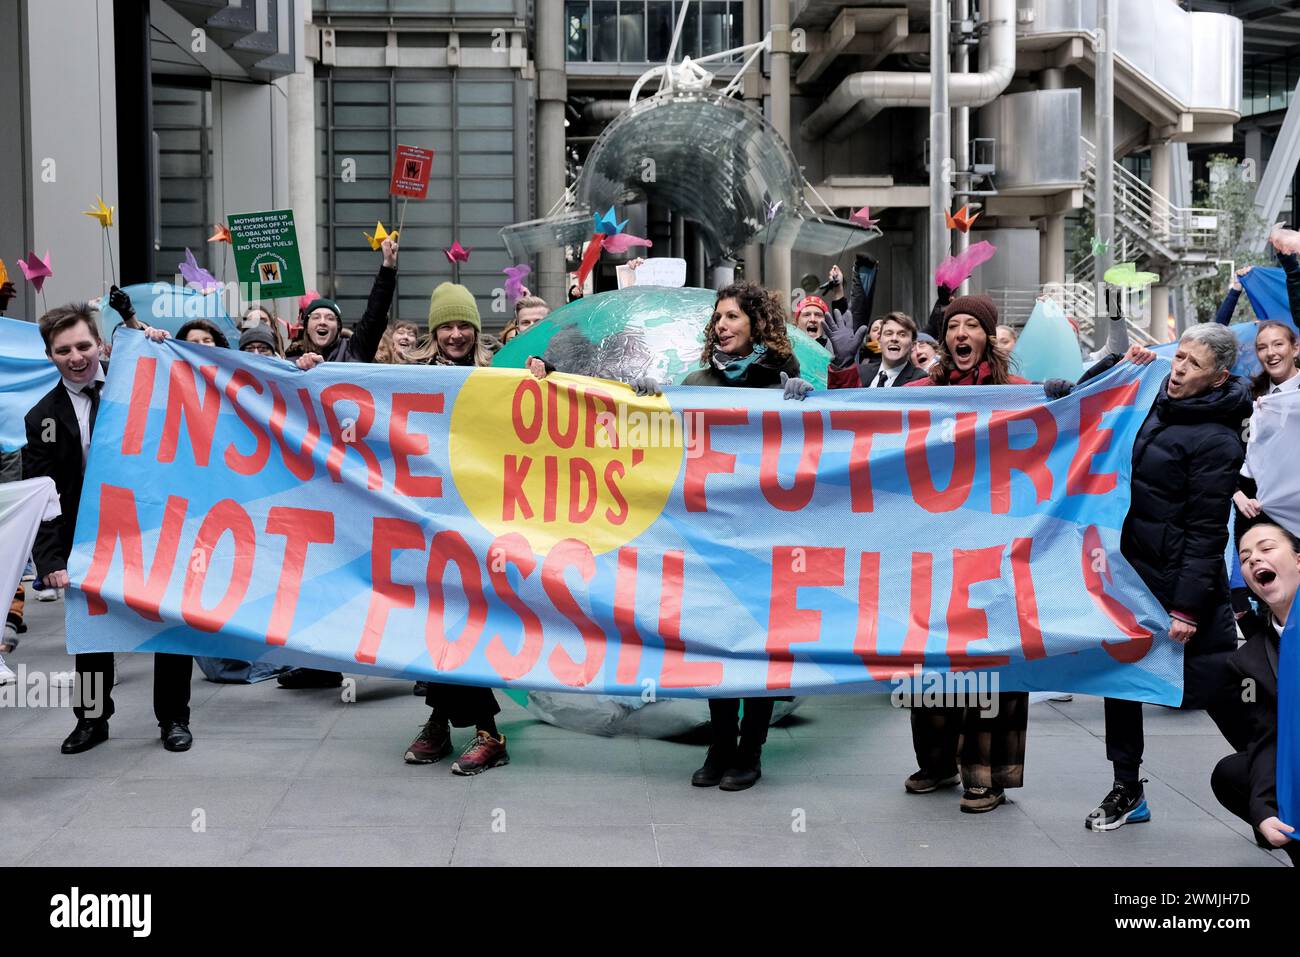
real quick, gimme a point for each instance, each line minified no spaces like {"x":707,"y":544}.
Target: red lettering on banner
{"x":365,"y":402}
{"x":389,"y":535}
{"x":1032,"y":461}
{"x":527,"y":431}
{"x":225,"y":517}
{"x":200,"y":416}
{"x":301,"y":462}
{"x":702,"y":460}
{"x":1096,"y":576}
{"x":512,"y":494}
{"x":800,"y":493}
{"x":1031,"y":633}
{"x":449,"y":654}
{"x":629,"y":639}
{"x":864,"y":424}
{"x":787,"y":623}
{"x":612,"y":469}
{"x":865,"y":639}
{"x":573,"y":552}
{"x":1094,"y":440}
{"x":919,"y":605}
{"x":563,"y":439}
{"x":255,"y":461}
{"x":916,"y":457}
{"x":677,"y":672}
{"x":513,"y":548}
{"x":403,"y":444}
{"x":967,"y":624}
{"x":137,"y":411}
{"x":119,"y":522}
{"x":590,"y":397}
{"x":300,"y":527}
{"x":581,"y":474}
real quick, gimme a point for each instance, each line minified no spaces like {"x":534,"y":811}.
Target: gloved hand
{"x":1057,"y":388}
{"x":121,"y":302}
{"x":846,"y":342}
{"x":795,"y":388}
{"x":645,"y":385}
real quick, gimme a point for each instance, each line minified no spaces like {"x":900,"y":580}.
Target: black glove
{"x":121,"y":302}
{"x":7,"y":293}
{"x":645,"y":385}
{"x":1057,"y":388}
{"x":795,"y":388}
{"x":944,"y":295}
{"x":846,"y":342}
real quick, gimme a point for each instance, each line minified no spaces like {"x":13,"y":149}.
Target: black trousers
{"x":464,"y":706}
{"x":988,"y":747}
{"x":725,"y":722}
{"x":1207,"y":684}
{"x":1231,"y":784}
{"x":171,"y":687}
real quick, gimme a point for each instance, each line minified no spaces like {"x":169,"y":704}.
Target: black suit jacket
{"x":54,"y":450}
{"x":1257,"y":660}
{"x":868,"y":371}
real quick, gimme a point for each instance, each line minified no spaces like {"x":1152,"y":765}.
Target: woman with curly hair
{"x":745,"y":342}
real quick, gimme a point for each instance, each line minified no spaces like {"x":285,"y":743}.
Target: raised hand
{"x":846,"y":342}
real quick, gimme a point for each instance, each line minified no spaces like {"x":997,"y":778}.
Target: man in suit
{"x":892,"y":368}
{"x":1246,"y":782}
{"x":59,"y":428}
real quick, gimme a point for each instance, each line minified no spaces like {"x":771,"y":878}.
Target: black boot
{"x":719,"y":758}
{"x":746,"y":770}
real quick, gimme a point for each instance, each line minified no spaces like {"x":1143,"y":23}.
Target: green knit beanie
{"x":453,"y":303}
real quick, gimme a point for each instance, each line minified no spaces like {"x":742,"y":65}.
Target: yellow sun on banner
{"x":563,"y":457}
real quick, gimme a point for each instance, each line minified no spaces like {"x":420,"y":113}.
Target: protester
{"x":1246,"y":782}
{"x":810,"y":313}
{"x":893,"y":367}
{"x":73,"y":344}
{"x":1229,"y":304}
{"x":530,"y":310}
{"x":1007,"y":338}
{"x":1278,"y":352}
{"x":924,"y":351}
{"x":254,"y":316}
{"x":745,"y":345}
{"x":397,"y":343}
{"x":987,"y":744}
{"x":322,"y":341}
{"x":455,"y":330}
{"x":259,"y":340}
{"x":1185,"y":462}
{"x":203,"y":333}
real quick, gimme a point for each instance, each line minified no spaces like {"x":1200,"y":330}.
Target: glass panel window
{"x":690,"y":42}
{"x":604,"y":31}
{"x":659,"y":29}
{"x":715,"y":30}
{"x":631,"y":15}
{"x":577,"y":17}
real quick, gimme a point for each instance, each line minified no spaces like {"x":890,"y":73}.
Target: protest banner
{"x":266,"y":252}
{"x":411,"y":168}
{"x":485,"y":527}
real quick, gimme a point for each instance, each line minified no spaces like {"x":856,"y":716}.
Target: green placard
{"x":266,"y":253}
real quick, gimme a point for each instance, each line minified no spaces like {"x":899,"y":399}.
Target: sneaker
{"x":6,"y":673}
{"x":45,"y":594}
{"x":715,"y":766}
{"x":923,"y":781}
{"x":981,"y":800}
{"x":1123,"y":805}
{"x":433,"y":743}
{"x":10,"y":639}
{"x":482,"y":753}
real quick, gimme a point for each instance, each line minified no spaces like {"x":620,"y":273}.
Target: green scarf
{"x":735,"y":368}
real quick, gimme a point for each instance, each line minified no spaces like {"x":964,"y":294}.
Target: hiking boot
{"x":482,"y":753}
{"x":743,"y":774}
{"x":981,"y":800}
{"x":432,"y":744}
{"x":1125,"y":804}
{"x":715,"y":766}
{"x":923,"y":781}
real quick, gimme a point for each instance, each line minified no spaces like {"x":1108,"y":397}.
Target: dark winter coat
{"x":364,"y":341}
{"x":764,"y":373}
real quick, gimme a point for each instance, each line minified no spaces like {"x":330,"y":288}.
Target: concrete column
{"x":1051,"y":260}
{"x":552,"y":91}
{"x":1053,"y":78}
{"x":1160,"y":313}
{"x":961,"y":158}
{"x":753,"y":95}
{"x":776,"y":272}
{"x":1161,"y":185}
{"x":301,"y":100}
{"x":1107,"y":23}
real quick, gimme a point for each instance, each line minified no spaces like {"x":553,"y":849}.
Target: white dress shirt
{"x":81,"y":406}
{"x":890,"y":376}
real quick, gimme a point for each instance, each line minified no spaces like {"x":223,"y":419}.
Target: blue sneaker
{"x":1123,"y":805}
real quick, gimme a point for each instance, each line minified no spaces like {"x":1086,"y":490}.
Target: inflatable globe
{"x":639,"y":331}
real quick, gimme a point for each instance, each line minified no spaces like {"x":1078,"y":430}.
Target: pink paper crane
{"x":863,"y":218}
{"x":515,"y":276}
{"x":457,"y":253}
{"x":36,"y":270}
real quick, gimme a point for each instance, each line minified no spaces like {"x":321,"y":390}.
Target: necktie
{"x":91,"y":392}
{"x":884,"y":377}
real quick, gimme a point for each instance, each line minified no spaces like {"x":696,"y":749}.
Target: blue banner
{"x":484,"y":527}
{"x":1288,"y":716}
{"x":26,"y":374}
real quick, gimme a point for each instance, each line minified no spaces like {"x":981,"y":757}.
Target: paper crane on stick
{"x":608,"y":235}
{"x":380,"y":235}
{"x":104,"y":215}
{"x":36,"y":271}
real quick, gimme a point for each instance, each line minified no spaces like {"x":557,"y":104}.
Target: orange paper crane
{"x":962,"y":220}
{"x":220,"y":234}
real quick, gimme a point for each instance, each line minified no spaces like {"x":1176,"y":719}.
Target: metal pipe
{"x":1105,"y":120}
{"x":552,"y":91}
{"x":860,"y":96}
{"x":961,"y":159}
{"x":940,"y":155}
{"x":752,"y":24}
{"x":776,"y":274}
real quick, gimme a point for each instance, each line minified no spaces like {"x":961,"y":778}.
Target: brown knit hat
{"x":981,"y":307}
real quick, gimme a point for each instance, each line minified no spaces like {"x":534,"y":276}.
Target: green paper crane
{"x":1126,"y":276}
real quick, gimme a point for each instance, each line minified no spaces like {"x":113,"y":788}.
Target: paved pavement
{"x":303,"y":778}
